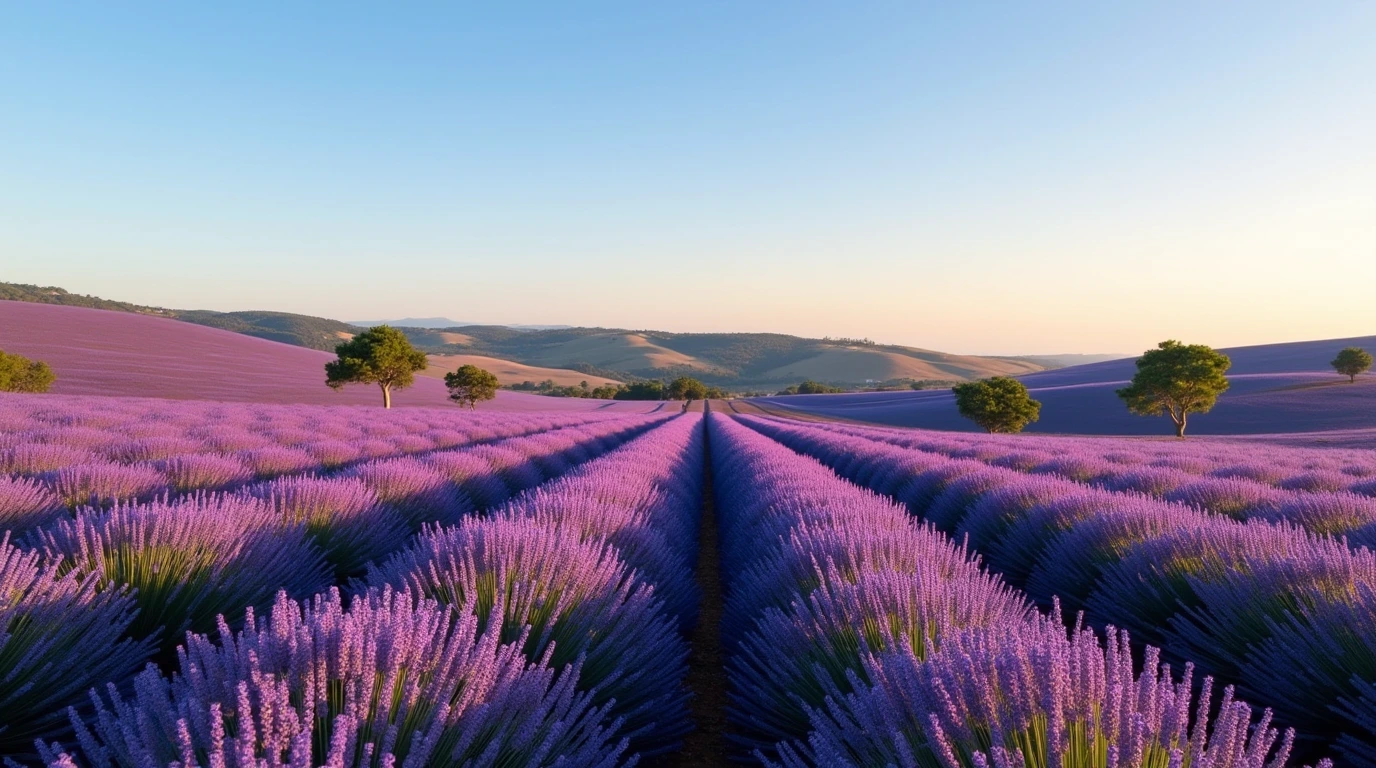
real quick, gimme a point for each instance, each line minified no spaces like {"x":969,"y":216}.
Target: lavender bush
{"x":301,"y":689}
{"x":62,"y":635}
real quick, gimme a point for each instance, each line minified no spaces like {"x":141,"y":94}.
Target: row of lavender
{"x":1281,"y":466}
{"x":1324,"y":494}
{"x":100,"y":591}
{"x":533,"y":636}
{"x":102,"y":450}
{"x":1288,"y":615}
{"x":859,"y":638}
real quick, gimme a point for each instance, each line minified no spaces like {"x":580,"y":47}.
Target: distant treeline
{"x":682,"y":388}
{"x":849,"y":342}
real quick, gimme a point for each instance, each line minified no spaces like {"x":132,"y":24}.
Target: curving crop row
{"x":85,"y":455}
{"x":1324,"y":491}
{"x":1281,"y":466}
{"x":858,"y":637}
{"x":166,"y":568}
{"x":1285,"y":613}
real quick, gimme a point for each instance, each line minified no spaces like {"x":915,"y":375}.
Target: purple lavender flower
{"x":1317,"y":480}
{"x":30,"y":459}
{"x":1225,"y":496}
{"x":420,"y":493}
{"x":300,"y":690}
{"x":203,"y":472}
{"x":342,"y":516}
{"x":1031,"y":694}
{"x":992,"y":512}
{"x":1153,"y":481}
{"x":1238,"y":608}
{"x":1325,"y":512}
{"x":188,"y":560}
{"x":62,"y":635}
{"x":1158,"y":578}
{"x":274,"y":460}
{"x":101,"y":484}
{"x":575,"y":599}
{"x":792,"y":659}
{"x":1072,"y":564}
{"x":26,"y":504}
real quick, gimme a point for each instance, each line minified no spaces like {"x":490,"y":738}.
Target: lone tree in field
{"x":999,"y":405}
{"x":687,"y":388}
{"x":1352,"y":362}
{"x":470,"y":385}
{"x":381,"y":355}
{"x":20,"y":374}
{"x":1177,"y":380}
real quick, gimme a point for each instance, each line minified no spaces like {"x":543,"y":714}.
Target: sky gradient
{"x":1029,"y":178}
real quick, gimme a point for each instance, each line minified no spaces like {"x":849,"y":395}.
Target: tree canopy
{"x":642,"y":390}
{"x":1352,"y":362}
{"x":687,"y":388}
{"x":1177,"y":379}
{"x":381,"y":355}
{"x":469,"y":385}
{"x":20,"y":374}
{"x":999,"y":404}
{"x":810,"y":387}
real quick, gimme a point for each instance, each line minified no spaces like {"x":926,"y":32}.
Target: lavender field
{"x":794,"y":385}
{"x":1277,"y":391}
{"x":251,"y":570}
{"x":215,"y":583}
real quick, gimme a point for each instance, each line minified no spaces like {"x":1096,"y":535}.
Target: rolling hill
{"x":301,"y":330}
{"x":733,"y":360}
{"x":736,"y":361}
{"x":102,"y":352}
{"x":1286,"y":389}
{"x":508,"y":372}
{"x":883,"y":365}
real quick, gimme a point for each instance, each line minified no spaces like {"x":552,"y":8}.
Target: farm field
{"x":210,"y":558}
{"x":832,"y":386}
{"x":100,"y":352}
{"x":245,"y":575}
{"x":1275,"y":389}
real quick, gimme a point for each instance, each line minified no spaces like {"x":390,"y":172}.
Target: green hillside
{"x":734,"y":360}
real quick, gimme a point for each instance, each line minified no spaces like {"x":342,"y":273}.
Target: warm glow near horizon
{"x":1090,"y":179}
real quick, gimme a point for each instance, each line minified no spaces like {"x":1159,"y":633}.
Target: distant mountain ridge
{"x":737,"y":361}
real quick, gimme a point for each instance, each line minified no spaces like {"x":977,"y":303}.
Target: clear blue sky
{"x":1030,"y":177}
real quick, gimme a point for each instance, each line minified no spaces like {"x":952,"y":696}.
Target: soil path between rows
{"x":706,"y":745}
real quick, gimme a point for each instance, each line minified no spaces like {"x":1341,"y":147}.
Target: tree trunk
{"x":1180,"y":427}
{"x":386,"y":396}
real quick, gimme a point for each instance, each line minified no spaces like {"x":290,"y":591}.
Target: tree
{"x":1177,"y":380}
{"x":642,"y":390}
{"x":381,"y":355}
{"x":605,"y":392}
{"x":811,"y":387}
{"x":469,"y":385}
{"x":999,"y":405}
{"x":686,"y":388}
{"x":20,"y":374}
{"x":1352,"y":361}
